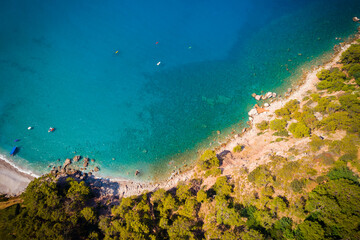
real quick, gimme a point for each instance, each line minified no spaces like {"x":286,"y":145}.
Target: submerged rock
{"x":137,"y":172}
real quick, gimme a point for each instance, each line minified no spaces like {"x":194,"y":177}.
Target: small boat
{"x":13,"y":151}
{"x":29,"y":128}
{"x":158,"y":63}
{"x":51,"y":129}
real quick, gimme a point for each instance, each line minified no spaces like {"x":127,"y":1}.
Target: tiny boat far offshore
{"x":51,"y":129}
{"x":13,"y":151}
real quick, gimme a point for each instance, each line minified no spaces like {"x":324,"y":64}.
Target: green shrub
{"x":299,"y":130}
{"x":283,"y":112}
{"x":307,"y":117}
{"x":323,"y":74}
{"x":280,"y":139}
{"x":267,"y":191}
{"x":289,"y":108}
{"x":337,"y":120}
{"x":208,"y":160}
{"x":321,"y":179}
{"x":334,"y":81}
{"x":354,"y":70}
{"x":342,"y":172}
{"x":238,"y":148}
{"x":348,"y":157}
{"x":260,"y":176}
{"x":351,"y":55}
{"x":281,"y":133}
{"x":297,"y":185}
{"x":316,"y":143}
{"x":214,"y":172}
{"x":350,"y":103}
{"x":315,"y":97}
{"x":309,"y":230}
{"x":222,"y":187}
{"x":278,"y":124}
{"x":263,"y":125}
{"x":201,"y":196}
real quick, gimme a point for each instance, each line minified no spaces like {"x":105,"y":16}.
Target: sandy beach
{"x":257,"y":150}
{"x":12,"y":181}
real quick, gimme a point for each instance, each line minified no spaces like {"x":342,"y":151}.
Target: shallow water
{"x":59,"y":68}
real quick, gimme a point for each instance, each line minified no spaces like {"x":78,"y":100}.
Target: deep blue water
{"x":58,"y":68}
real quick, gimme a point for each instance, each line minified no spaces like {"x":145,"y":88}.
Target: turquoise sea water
{"x":58,"y":68}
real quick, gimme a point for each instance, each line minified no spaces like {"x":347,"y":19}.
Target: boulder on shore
{"x":85,"y":164}
{"x":356,"y":19}
{"x":258,"y":97}
{"x":267,"y":95}
{"x":96,"y":169}
{"x":266,"y":104}
{"x":67,"y":162}
{"x":252,"y":112}
{"x":76,"y":158}
{"x":253,"y":95}
{"x":274,"y":95}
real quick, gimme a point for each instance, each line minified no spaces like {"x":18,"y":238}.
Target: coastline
{"x":13,"y":180}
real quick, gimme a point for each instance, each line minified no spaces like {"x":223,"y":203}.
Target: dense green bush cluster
{"x":52,"y":211}
{"x":262,"y":126}
{"x":63,"y":210}
{"x":278,"y":124}
{"x":332,"y":80}
{"x":208,"y":160}
{"x":299,"y":130}
{"x":238,"y":148}
{"x":289,"y":108}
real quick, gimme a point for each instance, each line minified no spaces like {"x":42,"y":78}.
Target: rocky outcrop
{"x":67,"y":163}
{"x":263,"y":97}
{"x":356,"y":19}
{"x":85,"y":164}
{"x":258,"y":97}
{"x":267,"y":95}
{"x":252,"y":112}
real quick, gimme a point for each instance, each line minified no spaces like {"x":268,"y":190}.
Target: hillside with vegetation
{"x":310,"y":192}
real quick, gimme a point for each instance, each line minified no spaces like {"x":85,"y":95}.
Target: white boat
{"x":158,"y":63}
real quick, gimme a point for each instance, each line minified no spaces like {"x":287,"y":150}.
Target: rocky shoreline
{"x":14,"y":181}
